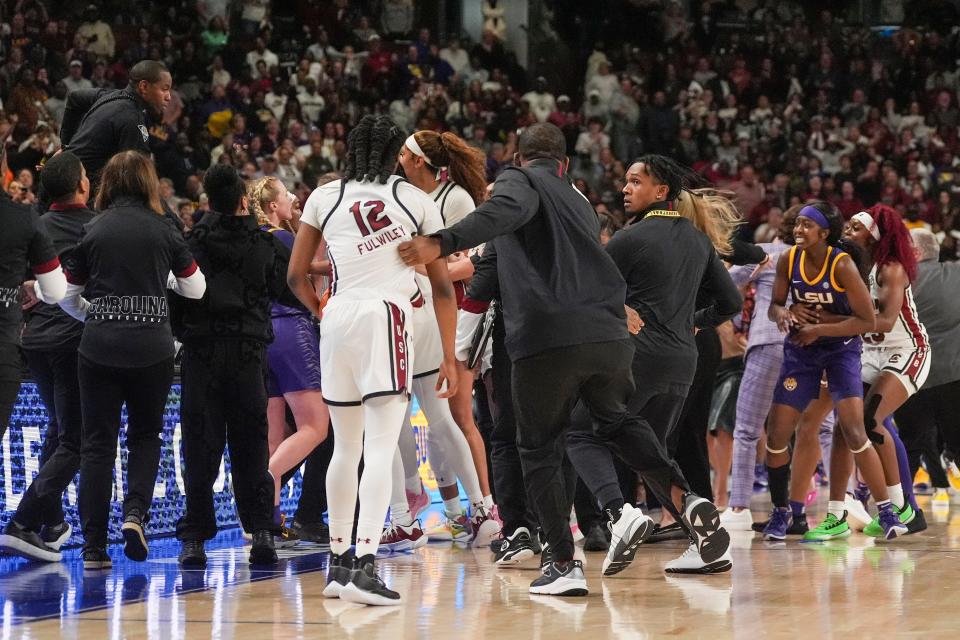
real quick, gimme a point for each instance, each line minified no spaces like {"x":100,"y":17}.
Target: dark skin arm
{"x":863,"y":319}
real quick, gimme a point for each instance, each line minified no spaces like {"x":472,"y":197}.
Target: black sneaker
{"x":192,"y":554}
{"x":263,"y":550}
{"x":560,"y":579}
{"x":514,"y":549}
{"x":134,"y":542}
{"x":96,"y":558}
{"x":27,"y":544}
{"x":673,"y":531}
{"x":366,"y":587}
{"x":55,"y":536}
{"x":597,"y":539}
{"x":918,"y":523}
{"x":338,"y":573}
{"x":798,"y":525}
{"x":315,"y":532}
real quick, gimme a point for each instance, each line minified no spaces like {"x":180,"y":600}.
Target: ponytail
{"x":467,"y":164}
{"x":712,"y":212}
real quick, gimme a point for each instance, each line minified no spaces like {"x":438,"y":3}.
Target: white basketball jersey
{"x":455,"y":204}
{"x":908,"y":332}
{"x":363,"y":224}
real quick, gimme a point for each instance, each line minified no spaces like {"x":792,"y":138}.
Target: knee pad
{"x":769,"y":450}
{"x":866,"y":445}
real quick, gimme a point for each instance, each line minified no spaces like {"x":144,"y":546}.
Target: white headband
{"x":411,"y":144}
{"x":868,"y":223}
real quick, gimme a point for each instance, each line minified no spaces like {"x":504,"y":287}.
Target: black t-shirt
{"x":48,"y":327}
{"x":666,"y":261}
{"x":23,"y":245}
{"x":124,"y":259}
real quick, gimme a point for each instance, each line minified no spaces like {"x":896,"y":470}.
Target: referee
{"x":563,"y":307}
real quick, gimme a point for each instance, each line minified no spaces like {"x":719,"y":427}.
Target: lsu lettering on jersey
{"x":363,"y":223}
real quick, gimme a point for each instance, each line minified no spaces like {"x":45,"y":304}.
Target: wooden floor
{"x":839,"y":589}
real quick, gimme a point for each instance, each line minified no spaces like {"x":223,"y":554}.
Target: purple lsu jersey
{"x":822,"y":289}
{"x":837,"y":359}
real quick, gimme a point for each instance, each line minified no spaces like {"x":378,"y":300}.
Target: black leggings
{"x":103,"y":391}
{"x":11,"y":368}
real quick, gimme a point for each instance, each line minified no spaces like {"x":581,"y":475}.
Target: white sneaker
{"x":626,"y":534}
{"x":703,"y":523}
{"x":691,"y":562}
{"x":737,"y":520}
{"x":857,"y":516}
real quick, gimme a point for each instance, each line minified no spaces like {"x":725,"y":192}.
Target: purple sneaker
{"x":892,"y":527}
{"x":776,"y":529}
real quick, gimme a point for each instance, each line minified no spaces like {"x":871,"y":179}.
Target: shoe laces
{"x":779,"y":517}
{"x":691,"y":551}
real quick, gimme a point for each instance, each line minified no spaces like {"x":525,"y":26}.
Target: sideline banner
{"x":23,"y":441}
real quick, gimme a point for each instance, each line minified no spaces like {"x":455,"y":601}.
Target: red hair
{"x":895,"y":243}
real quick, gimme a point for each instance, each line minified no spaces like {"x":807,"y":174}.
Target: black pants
{"x":225,"y":401}
{"x":103,"y":391}
{"x":928,"y":416}
{"x":546,"y":387}
{"x":687,"y":444}
{"x":11,"y":368}
{"x":55,"y":373}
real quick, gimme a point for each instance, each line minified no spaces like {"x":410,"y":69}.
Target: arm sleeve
{"x":74,"y":303}
{"x":129,"y":135}
{"x":186,"y":278}
{"x":744,"y":253}
{"x":78,"y":103}
{"x":485,"y":284}
{"x":718,"y":286}
{"x":513,"y":204}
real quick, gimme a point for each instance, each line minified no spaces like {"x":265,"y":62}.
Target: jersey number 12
{"x":374,"y":221}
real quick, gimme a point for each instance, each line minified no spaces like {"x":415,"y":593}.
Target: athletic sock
{"x":413,"y":485}
{"x":452,"y":506}
{"x":779,"y":479}
{"x":837,"y":508}
{"x":488,"y":502}
{"x":896,"y":495}
{"x":400,"y":514}
{"x":798,"y":508}
{"x":883,"y":505}
{"x":613,"y":509}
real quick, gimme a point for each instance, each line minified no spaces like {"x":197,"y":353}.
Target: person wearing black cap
{"x":566,"y":332}
{"x":50,"y":342}
{"x":99,"y":123}
{"x":130,"y":254}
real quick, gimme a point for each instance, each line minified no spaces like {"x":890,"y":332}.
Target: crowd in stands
{"x":777,"y":102}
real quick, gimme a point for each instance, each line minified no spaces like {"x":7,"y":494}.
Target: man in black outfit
{"x":50,"y":341}
{"x":225,"y":337}
{"x":564,"y":314}
{"x":665,"y":261}
{"x":99,"y":123}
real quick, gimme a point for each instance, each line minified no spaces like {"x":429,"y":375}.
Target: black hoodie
{"x":246,"y":269}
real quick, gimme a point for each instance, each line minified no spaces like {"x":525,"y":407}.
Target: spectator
{"x":97,"y":33}
{"x":456,"y":57}
{"x":848,"y":203}
{"x":75,"y":79}
{"x":593,"y":140}
{"x":258,"y":54}
{"x":541,"y":101}
{"x":748,"y":192}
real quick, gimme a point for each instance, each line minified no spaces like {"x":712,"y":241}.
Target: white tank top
{"x":908,"y":332}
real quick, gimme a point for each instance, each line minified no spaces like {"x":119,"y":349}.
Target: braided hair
{"x":264,"y":190}
{"x":372,"y":149}
{"x":671,"y":173}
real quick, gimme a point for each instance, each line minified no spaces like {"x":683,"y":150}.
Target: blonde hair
{"x":711,"y":211}
{"x":261,"y":193}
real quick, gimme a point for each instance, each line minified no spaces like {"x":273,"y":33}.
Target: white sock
{"x":452,"y":506}
{"x":400,"y":514}
{"x":413,"y":485}
{"x":896,"y":495}
{"x":836,"y":507}
{"x":488,"y":502}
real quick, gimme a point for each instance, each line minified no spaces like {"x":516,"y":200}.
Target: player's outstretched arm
{"x":445,"y":306}
{"x":304,"y":249}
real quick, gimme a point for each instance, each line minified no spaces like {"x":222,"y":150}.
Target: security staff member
{"x":563,"y":307}
{"x":50,"y":341}
{"x":97,"y":123}
{"x":225,"y":337}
